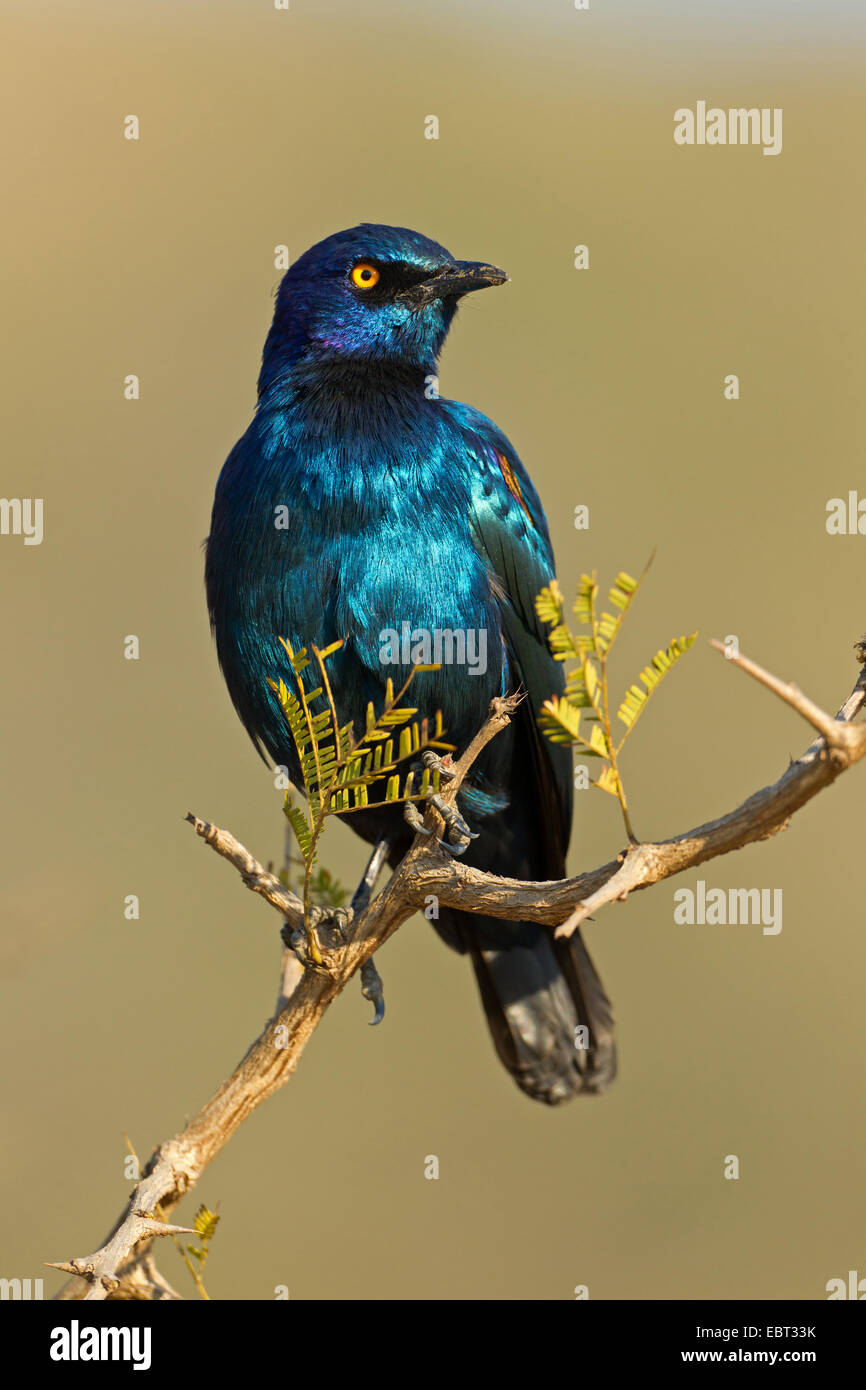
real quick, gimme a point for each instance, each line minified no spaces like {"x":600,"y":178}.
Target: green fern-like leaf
{"x":621,"y":595}
{"x":549,"y":605}
{"x":575,"y":689}
{"x":339,"y":771}
{"x":623,"y":590}
{"x":299,"y":660}
{"x":636,"y":700}
{"x":300,"y":826}
{"x":598,"y":744}
{"x":560,"y":720}
{"x":562,"y":644}
{"x":607,"y":781}
{"x":205,"y":1223}
{"x":580,"y":717}
{"x":584,"y":603}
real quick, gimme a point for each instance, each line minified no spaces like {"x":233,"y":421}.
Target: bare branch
{"x":762,"y":815}
{"x":99,"y":1269}
{"x":271,"y":1060}
{"x":254,"y":875}
{"x":787,"y":691}
{"x":123,"y":1266}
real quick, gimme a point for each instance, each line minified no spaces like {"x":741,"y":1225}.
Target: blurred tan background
{"x":156,"y":258}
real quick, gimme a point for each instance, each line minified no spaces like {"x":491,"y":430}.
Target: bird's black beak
{"x":453,"y":280}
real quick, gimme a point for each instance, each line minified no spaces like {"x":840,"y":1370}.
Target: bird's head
{"x":369,"y":293}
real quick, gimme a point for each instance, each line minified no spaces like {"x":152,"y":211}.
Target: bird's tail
{"x":548,"y":1014}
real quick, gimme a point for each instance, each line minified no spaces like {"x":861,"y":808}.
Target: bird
{"x":359,"y":501}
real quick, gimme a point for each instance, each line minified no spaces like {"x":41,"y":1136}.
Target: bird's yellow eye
{"x":365,"y":276}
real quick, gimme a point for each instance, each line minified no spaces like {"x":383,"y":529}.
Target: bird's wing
{"x":509,"y":529}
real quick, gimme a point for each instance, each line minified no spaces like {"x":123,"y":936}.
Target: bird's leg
{"x":362,"y":894}
{"x":334,"y":925}
{"x":326,"y":928}
{"x":371,"y":980}
{"x":459,"y":834}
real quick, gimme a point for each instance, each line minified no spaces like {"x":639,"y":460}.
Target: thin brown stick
{"x":123,"y":1266}
{"x":176,"y":1166}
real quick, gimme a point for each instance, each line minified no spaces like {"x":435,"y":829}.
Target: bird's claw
{"x":336,"y":922}
{"x":333,"y":921}
{"x":327,"y":928}
{"x":459,"y":834}
{"x":454,"y":849}
{"x":412,"y":816}
{"x":302,"y":944}
{"x":434,"y":763}
{"x":372,"y":989}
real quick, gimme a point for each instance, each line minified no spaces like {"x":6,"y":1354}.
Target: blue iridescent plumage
{"x":359,"y":501}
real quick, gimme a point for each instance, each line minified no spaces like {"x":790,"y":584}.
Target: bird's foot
{"x":459,"y":835}
{"x":372,"y":989}
{"x":326,"y":930}
{"x":333,"y":923}
{"x":316,"y":944}
{"x":371,"y":980}
{"x":329,"y":929}
{"x":434,"y":763}
{"x":304,"y":945}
